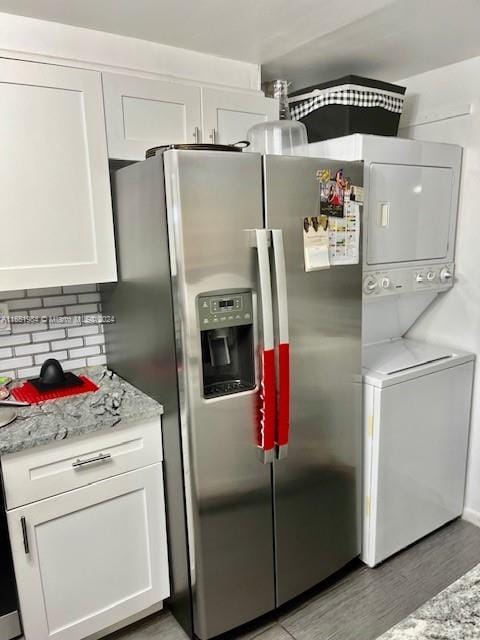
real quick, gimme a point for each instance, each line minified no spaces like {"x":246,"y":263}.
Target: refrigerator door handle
{"x":267,"y":403}
{"x":283,"y":411}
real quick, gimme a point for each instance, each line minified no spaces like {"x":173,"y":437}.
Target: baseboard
{"x":472,"y":516}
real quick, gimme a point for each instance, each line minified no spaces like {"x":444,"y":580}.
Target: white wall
{"x":455,"y":317}
{"x":52,"y":42}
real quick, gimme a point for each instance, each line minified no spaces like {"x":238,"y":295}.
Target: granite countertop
{"x":116,"y":401}
{"x":453,"y":614}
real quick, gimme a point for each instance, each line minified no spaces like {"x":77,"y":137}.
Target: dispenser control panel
{"x":227,"y":343}
{"x":394,"y":281}
{"x":229,"y":310}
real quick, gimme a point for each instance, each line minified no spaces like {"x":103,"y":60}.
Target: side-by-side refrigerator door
{"x":317,"y":473}
{"x":224,"y":332}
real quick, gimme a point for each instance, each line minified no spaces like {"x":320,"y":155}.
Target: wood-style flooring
{"x":358,"y":603}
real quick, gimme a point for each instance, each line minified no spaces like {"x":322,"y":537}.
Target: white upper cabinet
{"x":143,"y":113}
{"x":56,"y":211}
{"x":228,"y":115}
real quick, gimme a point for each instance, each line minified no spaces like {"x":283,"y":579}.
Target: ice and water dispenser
{"x":226,"y":331}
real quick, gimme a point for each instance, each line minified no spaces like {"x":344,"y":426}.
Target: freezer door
{"x":316,"y":486}
{"x":213,"y":198}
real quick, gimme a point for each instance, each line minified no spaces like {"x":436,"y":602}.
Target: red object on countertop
{"x":28,"y":393}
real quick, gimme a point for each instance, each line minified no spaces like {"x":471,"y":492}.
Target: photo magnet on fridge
{"x":334,"y":191}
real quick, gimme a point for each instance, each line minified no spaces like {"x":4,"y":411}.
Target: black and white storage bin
{"x":351,"y":104}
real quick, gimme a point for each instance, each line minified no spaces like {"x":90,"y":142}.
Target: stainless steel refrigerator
{"x":257,"y":364}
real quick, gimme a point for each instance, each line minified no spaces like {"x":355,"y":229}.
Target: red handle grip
{"x":267,"y":408}
{"x":283,"y":422}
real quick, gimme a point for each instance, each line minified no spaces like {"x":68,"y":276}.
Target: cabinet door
{"x":143,"y":113}
{"x":92,"y":557}
{"x":228,"y":115}
{"x":56,"y":210}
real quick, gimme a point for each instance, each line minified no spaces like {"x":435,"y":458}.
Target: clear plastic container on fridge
{"x":283,"y":136}
{"x":279,"y":137}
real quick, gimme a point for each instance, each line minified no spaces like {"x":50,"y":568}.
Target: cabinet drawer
{"x":58,"y":467}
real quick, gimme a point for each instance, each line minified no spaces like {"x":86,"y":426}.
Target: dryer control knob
{"x":386,"y":283}
{"x":431,"y":275}
{"x":445,"y":275}
{"x":370,"y":284}
{"x":420,"y":278}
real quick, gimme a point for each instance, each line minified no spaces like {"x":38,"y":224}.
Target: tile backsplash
{"x":60,"y":322}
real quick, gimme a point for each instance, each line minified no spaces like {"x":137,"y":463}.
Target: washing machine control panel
{"x":379,"y":283}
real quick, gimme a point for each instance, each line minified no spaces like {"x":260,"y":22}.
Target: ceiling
{"x":306,"y":41}
{"x":401,"y":39}
{"x":249,"y":30}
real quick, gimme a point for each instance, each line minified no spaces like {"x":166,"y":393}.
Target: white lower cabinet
{"x":92,"y":557}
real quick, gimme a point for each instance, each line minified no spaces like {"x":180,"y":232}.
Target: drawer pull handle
{"x":100,"y":458}
{"x":26,"y":546}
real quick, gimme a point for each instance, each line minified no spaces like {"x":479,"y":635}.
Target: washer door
{"x":401,"y":355}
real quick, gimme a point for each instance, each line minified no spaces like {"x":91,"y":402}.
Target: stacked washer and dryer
{"x":417,"y":395}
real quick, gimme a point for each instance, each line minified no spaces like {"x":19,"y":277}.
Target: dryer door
{"x":410,"y":212}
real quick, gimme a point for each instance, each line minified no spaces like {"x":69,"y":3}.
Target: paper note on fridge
{"x":316,"y":243}
{"x":344,"y":236}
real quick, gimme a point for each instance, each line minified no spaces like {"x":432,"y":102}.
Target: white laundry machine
{"x":417,"y":400}
{"x":417,"y":396}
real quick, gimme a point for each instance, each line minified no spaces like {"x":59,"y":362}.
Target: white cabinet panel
{"x":227,"y":115}
{"x":55,"y":206}
{"x":142,"y":113}
{"x":95,"y":556}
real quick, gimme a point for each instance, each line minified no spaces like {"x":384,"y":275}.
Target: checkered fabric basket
{"x":348,"y":105}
